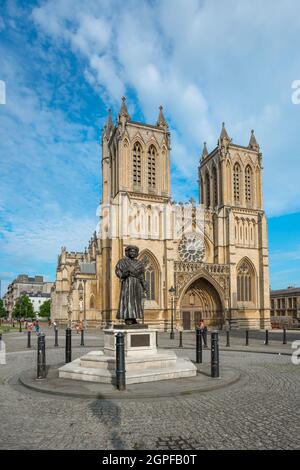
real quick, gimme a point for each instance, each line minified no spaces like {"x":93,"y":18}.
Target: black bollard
{"x":56,"y":337}
{"x":82,"y":338}
{"x":227,"y":339}
{"x":156,"y":339}
{"x":29,"y":339}
{"x":247,"y":337}
{"x":180,"y":339}
{"x":284,"y":336}
{"x":41,"y":357}
{"x":68,"y":345}
{"x":215,"y":354}
{"x":198,"y":346}
{"x":120,"y":362}
{"x":267,"y":338}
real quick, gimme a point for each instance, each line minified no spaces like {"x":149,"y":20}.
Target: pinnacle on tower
{"x":224,"y":135}
{"x":161,"y":122}
{"x":253,"y":142}
{"x":109,"y":123}
{"x":123,"y":110}
{"x":204,"y":151}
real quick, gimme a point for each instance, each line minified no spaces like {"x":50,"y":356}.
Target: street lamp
{"x":172,"y":292}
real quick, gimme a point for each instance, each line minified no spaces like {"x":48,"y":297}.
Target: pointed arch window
{"x":245,"y":281}
{"x":136,"y":162}
{"x":215,"y":187}
{"x":248,"y":184}
{"x":152,"y":277}
{"x":207,"y":190}
{"x":237,"y":182}
{"x":152,"y":167}
{"x":92,"y":301}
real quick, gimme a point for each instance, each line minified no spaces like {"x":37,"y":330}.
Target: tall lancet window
{"x":237,"y":182}
{"x":215,"y":187}
{"x":248,"y":184}
{"x":245,"y":280}
{"x":207,"y":190}
{"x":152,"y":167}
{"x":136,"y":171}
{"x":151,"y":276}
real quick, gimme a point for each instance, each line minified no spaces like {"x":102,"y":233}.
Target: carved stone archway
{"x":201,"y":300}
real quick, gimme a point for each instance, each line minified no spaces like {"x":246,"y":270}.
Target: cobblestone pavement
{"x":261,"y":411}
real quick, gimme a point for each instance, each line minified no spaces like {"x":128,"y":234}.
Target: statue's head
{"x":131,"y":251}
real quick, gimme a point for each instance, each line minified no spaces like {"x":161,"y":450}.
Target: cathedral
{"x":220,"y":275}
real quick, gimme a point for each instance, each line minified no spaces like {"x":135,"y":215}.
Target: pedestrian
{"x":77,"y":328}
{"x":37,"y":327}
{"x":203,"y":329}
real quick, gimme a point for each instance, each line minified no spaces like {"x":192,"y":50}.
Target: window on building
{"x":215,"y":187}
{"x":136,"y":164}
{"x":207,"y":189}
{"x":152,"y":167}
{"x":248,"y":184}
{"x":236,"y":182}
{"x":245,"y":283}
{"x":151,"y":276}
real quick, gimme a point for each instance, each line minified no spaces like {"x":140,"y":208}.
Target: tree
{"x":3,"y":311}
{"x":45,"y":309}
{"x":23,"y":308}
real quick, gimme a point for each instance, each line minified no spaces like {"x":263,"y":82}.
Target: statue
{"x":131,"y":272}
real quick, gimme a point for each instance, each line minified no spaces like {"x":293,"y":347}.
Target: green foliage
{"x":45,"y":309}
{"x":23,"y":308}
{"x":3,"y":312}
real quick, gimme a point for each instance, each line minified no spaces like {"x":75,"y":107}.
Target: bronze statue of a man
{"x":131,"y":272}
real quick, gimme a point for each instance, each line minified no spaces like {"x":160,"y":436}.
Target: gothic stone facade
{"x":229,"y":283}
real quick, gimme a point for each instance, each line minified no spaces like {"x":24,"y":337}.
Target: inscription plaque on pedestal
{"x":140,"y":340}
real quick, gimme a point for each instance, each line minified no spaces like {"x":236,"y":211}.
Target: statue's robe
{"x":131,"y":272}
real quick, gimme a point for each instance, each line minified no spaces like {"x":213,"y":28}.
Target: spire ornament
{"x":123,"y":113}
{"x":253,"y":145}
{"x":204,"y":151}
{"x":161,"y":121}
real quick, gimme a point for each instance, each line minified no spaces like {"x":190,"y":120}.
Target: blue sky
{"x":66,"y":62}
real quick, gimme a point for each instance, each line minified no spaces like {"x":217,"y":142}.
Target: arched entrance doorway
{"x":201,"y":301}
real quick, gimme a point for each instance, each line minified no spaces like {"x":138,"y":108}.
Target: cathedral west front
{"x":205,"y":260}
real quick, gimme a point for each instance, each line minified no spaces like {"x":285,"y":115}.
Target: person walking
{"x":203,"y":329}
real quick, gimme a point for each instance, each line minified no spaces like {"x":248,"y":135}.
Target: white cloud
{"x":205,"y":61}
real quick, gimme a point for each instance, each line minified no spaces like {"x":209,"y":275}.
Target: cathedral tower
{"x":230,"y":178}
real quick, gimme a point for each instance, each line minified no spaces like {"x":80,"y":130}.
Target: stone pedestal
{"x":143,"y":361}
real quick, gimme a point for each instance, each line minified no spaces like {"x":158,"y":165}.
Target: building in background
{"x":285,"y":306}
{"x":35,"y":288}
{"x":225,"y":279}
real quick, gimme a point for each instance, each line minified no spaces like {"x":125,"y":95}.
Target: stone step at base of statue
{"x":162,"y":359}
{"x":74,"y":370}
